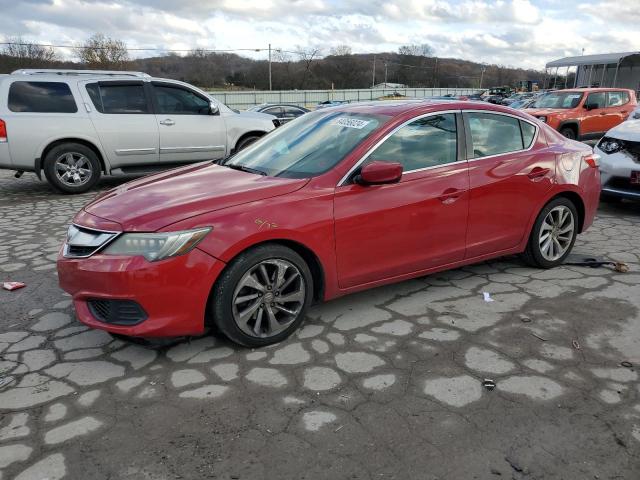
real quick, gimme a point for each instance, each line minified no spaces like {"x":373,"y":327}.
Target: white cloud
{"x":525,"y":33}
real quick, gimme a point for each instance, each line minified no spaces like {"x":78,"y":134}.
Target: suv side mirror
{"x":590,"y":106}
{"x":213,"y":109}
{"x":380,"y":173}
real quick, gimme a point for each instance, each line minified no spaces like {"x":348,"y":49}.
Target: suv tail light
{"x":3,"y":132}
{"x":592,"y":160}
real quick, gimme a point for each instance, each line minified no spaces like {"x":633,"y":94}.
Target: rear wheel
{"x":72,"y":168}
{"x":262,"y":296}
{"x":553,"y":234}
{"x":568,"y":132}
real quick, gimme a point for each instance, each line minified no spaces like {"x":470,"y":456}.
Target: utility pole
{"x":270,"y":84}
{"x":481,"y":76}
{"x":373,"y":82}
{"x":385,"y":74}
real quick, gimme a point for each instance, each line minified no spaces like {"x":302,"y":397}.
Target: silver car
{"x":75,"y":125}
{"x":619,"y":152}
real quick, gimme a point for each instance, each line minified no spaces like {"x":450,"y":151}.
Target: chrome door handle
{"x":168,"y":122}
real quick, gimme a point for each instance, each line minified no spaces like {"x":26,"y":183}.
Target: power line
{"x":150,"y":49}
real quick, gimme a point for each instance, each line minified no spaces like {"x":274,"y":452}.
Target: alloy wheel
{"x":268,"y":298}
{"x":556,"y":233}
{"x":73,"y":169}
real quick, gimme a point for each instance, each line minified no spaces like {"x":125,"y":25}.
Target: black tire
{"x":224,"y":291}
{"x":76,"y":150}
{"x":533,"y":253}
{"x":246,"y":141}
{"x":568,"y":132}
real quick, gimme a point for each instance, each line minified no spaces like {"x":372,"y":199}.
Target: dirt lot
{"x":386,"y":384}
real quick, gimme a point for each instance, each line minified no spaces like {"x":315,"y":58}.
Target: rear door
{"x":595,"y":120}
{"x":189,"y":132}
{"x":122,"y":116}
{"x":619,"y":107}
{"x":510,"y":170}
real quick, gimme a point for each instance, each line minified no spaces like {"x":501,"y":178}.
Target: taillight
{"x":592,"y":160}
{"x":3,"y":132}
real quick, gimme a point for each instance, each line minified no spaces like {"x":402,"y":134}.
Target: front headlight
{"x":543,"y":119}
{"x":157,"y":246}
{"x":636,"y":115}
{"x":610,"y":145}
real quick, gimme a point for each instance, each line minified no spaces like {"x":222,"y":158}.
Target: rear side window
{"x":528,"y":132}
{"x":616,"y":99}
{"x":493,"y":134}
{"x":118,"y":98}
{"x":41,"y":97}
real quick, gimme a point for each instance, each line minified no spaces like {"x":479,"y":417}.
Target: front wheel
{"x":246,"y":141}
{"x":262,"y":296}
{"x":569,"y":133}
{"x":553,"y":234}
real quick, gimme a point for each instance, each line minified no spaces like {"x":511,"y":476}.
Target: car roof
{"x":590,"y":89}
{"x":395,"y":108}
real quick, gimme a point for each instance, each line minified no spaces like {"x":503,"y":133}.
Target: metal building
{"x":603,"y":70}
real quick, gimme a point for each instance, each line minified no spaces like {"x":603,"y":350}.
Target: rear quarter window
{"x":41,"y":97}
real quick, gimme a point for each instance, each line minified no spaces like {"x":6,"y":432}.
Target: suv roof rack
{"x":53,"y":71}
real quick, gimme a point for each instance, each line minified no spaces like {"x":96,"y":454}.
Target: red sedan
{"x":340,"y":200}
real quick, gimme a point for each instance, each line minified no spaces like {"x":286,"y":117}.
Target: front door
{"x":386,"y":231}
{"x":189,"y":132}
{"x":595,"y":121}
{"x":510,"y":170}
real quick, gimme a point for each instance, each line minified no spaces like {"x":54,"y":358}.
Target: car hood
{"x":154,"y":202}
{"x":256,"y":115}
{"x":629,"y":130}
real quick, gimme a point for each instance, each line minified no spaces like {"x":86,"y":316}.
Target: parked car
{"x":584,"y":113}
{"x":619,"y":150}
{"x":76,"y":125}
{"x":343,"y":199}
{"x":331,"y":103}
{"x":283,"y":112}
{"x":523,"y":104}
{"x":516,"y":97}
{"x":635,"y":115}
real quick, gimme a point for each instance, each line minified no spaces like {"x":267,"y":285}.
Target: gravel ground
{"x":385,"y":384}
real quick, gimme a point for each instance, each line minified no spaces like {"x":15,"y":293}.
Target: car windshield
{"x":559,"y":100}
{"x":308,"y":146}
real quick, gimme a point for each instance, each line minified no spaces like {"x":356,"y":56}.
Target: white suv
{"x":77,"y":124}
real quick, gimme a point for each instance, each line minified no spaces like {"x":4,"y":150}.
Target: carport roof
{"x":600,"y":59}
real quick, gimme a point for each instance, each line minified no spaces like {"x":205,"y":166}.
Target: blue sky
{"x":523,"y":33}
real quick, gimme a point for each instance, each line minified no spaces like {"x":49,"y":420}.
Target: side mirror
{"x":590,"y":106}
{"x":213,"y":109}
{"x":380,"y":173}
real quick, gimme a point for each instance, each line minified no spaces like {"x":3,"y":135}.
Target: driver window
{"x":179,"y":101}
{"x":596,"y":99}
{"x":426,"y":142}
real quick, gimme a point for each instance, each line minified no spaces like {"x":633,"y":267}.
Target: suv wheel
{"x":262,"y":296}
{"x":553,"y":234}
{"x":246,"y":141}
{"x":568,"y":132}
{"x":72,"y":168}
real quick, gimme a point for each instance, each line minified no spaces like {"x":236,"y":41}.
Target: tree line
{"x":304,"y":68}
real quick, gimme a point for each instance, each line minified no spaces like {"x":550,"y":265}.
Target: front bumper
{"x":615,"y":173}
{"x":173,"y":293}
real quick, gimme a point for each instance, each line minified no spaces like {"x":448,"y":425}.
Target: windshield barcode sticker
{"x":350,"y":122}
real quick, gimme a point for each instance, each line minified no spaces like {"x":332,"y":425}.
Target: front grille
{"x":117,"y":312}
{"x":83,"y":242}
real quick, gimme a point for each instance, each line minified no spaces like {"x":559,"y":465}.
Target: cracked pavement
{"x":384,"y":384}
